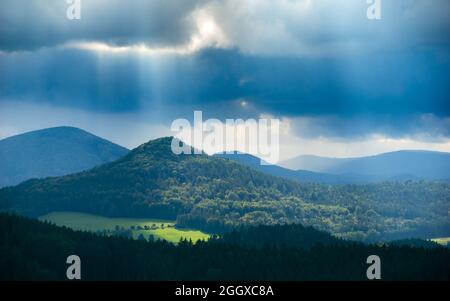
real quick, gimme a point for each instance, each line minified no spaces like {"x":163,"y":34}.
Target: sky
{"x":341,"y":84}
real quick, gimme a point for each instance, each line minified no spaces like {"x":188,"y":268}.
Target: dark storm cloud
{"x":399,"y":84}
{"x":283,"y":27}
{"x":28,"y":25}
{"x":70,"y":78}
{"x":422,"y":127}
{"x":345,"y":77}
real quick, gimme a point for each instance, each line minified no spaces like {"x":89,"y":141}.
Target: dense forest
{"x":32,"y":250}
{"x":217,"y":195}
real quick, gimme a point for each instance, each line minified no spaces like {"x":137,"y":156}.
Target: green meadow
{"x":442,"y":240}
{"x":160,"y":229}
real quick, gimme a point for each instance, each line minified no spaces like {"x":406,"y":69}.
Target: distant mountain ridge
{"x":53,"y":152}
{"x":355,"y":176}
{"x":312,"y":163}
{"x":278,"y":171}
{"x":408,"y":164}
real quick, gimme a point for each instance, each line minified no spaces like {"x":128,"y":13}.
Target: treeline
{"x":370,"y":213}
{"x":32,"y":250}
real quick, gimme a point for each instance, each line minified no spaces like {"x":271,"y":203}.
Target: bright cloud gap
{"x":208,"y":34}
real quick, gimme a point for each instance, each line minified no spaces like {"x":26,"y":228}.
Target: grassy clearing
{"x":160,"y":229}
{"x":442,"y":240}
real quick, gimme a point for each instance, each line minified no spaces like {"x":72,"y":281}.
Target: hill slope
{"x":216,"y":194}
{"x":402,"y":164}
{"x":53,"y":152}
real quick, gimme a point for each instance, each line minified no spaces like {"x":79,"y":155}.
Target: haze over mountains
{"x":53,"y":152}
{"x":400,"y":165}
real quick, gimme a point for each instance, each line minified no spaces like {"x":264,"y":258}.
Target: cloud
{"x":320,"y":63}
{"x":425,"y":127}
{"x":260,"y":27}
{"x":330,"y":27}
{"x":29,"y":25}
{"x":206,"y":34}
{"x":397,"y":84}
{"x":292,"y":146}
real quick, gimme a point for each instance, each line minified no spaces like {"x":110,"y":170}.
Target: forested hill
{"x":33,"y":250}
{"x":216,"y":195}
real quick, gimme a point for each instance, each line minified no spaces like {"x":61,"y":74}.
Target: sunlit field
{"x":139,"y":228}
{"x":442,"y":240}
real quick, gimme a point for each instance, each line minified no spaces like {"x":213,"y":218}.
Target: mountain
{"x":313,"y":163}
{"x":216,"y":195}
{"x":303,"y":176}
{"x":53,"y":152}
{"x":426,"y":165}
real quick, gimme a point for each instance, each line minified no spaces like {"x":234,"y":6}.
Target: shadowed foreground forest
{"x":32,"y":250}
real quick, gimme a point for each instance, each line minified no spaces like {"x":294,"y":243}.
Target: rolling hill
{"x":53,"y":152}
{"x":425,"y":165}
{"x":216,"y":195}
